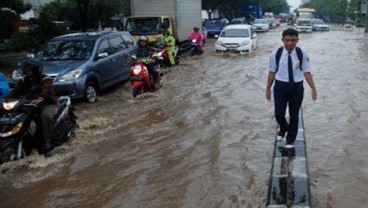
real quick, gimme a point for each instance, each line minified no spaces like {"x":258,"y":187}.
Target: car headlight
{"x":245,"y":43}
{"x":16,"y":75}
{"x":71,"y":76}
{"x":219,"y":43}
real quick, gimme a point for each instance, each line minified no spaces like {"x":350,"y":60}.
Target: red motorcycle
{"x":141,"y":80}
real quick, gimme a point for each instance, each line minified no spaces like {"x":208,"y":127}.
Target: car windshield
{"x":304,"y":23}
{"x":237,"y":21}
{"x":235,"y":33}
{"x":66,"y":50}
{"x":318,"y":21}
{"x":260,"y":21}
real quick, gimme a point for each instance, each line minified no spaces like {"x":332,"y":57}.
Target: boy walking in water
{"x":288,"y":66}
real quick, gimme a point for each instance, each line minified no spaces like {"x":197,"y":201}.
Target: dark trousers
{"x":285,"y":96}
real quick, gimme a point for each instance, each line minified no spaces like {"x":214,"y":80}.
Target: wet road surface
{"x":205,"y":139}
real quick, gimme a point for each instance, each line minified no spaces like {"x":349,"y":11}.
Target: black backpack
{"x":299,"y":53}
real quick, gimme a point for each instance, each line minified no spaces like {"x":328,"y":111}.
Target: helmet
{"x":143,"y":38}
{"x":32,"y":63}
{"x":195,"y":29}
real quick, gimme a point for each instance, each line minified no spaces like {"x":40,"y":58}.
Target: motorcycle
{"x":165,"y":54}
{"x":18,"y":132}
{"x":195,"y":49}
{"x":141,"y":80}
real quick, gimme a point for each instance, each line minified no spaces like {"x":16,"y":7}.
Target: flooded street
{"x":205,"y":139}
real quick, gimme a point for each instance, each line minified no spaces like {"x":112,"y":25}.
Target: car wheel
{"x":90,"y":94}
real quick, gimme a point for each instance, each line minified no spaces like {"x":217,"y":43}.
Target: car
{"x":237,"y":38}
{"x":272,"y":22}
{"x":320,"y":25}
{"x":238,"y":20}
{"x":83,"y":64}
{"x":214,"y":26}
{"x":304,"y":25}
{"x":261,"y":25}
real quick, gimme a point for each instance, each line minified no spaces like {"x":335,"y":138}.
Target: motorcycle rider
{"x":38,"y":88}
{"x":199,"y":36}
{"x":170,"y":46}
{"x":144,"y":50}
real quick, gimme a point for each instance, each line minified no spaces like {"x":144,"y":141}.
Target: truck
{"x":251,"y":11}
{"x":154,"y":17}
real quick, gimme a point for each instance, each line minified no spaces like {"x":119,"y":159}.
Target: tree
{"x":98,"y":11}
{"x":335,"y":10}
{"x":83,"y":12}
{"x":232,"y":8}
{"x":9,"y":13}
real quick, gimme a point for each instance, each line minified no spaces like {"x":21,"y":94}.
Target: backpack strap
{"x":278,"y":56}
{"x":299,"y":53}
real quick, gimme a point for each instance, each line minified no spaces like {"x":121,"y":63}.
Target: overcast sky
{"x":294,"y":4}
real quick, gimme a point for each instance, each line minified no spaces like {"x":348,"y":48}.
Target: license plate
{"x":136,"y":78}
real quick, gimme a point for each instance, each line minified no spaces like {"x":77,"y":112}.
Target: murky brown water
{"x":206,"y":138}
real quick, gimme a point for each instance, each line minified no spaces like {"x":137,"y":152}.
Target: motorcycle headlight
{"x":71,"y":76}
{"x":137,"y":70}
{"x":16,"y":75}
{"x":9,"y":105}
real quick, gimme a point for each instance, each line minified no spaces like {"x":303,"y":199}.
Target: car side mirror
{"x":216,"y":36}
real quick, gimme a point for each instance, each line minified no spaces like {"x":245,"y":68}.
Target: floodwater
{"x":205,"y":139}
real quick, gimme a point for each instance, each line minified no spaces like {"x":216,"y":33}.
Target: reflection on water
{"x":205,"y":139}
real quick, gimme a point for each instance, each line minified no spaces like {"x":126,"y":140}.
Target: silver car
{"x":320,"y":25}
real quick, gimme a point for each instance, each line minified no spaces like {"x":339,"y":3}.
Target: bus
{"x":304,"y":12}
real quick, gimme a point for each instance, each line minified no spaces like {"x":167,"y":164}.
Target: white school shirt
{"x":283,"y":73}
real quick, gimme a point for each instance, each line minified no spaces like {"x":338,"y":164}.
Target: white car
{"x":320,"y":25}
{"x":261,"y":25}
{"x":304,"y":25}
{"x":237,"y":38}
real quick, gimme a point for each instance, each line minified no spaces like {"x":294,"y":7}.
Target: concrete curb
{"x":289,"y":180}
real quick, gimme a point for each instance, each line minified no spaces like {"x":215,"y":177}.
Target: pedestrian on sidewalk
{"x":288,"y":66}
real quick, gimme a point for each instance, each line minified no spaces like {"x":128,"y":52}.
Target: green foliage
{"x":231,"y":8}
{"x":16,"y":5}
{"x":98,"y":11}
{"x":335,"y":10}
{"x":8,"y":17}
{"x":33,"y":39}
